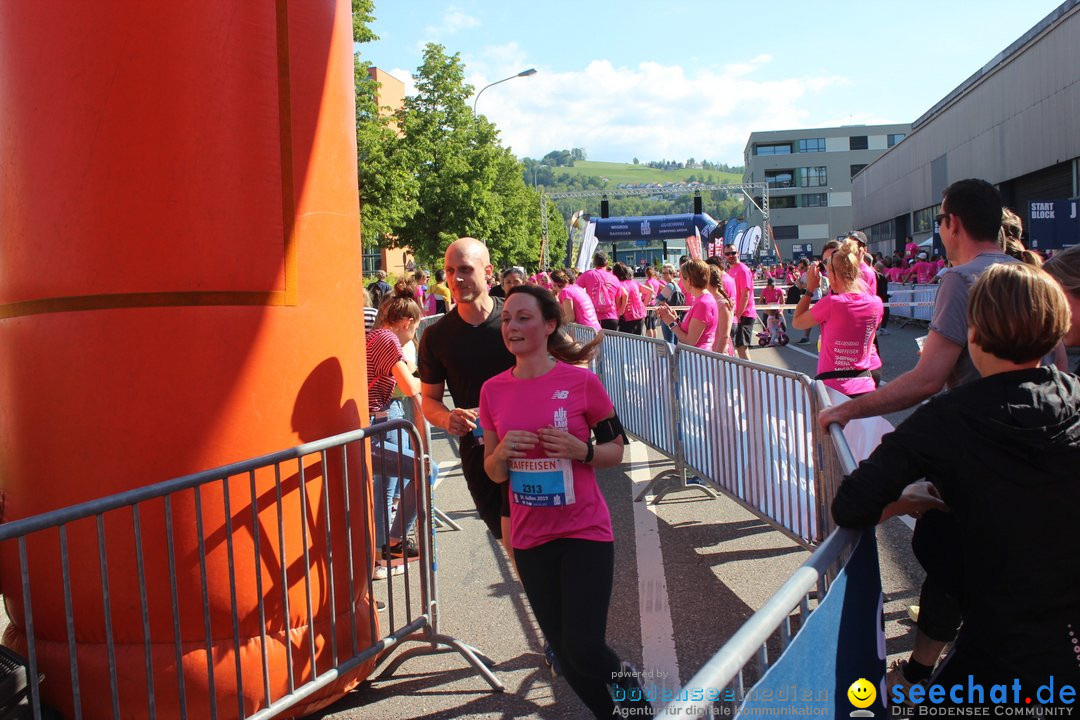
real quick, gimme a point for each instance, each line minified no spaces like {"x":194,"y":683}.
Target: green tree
{"x":388,"y":189}
{"x":467,"y":183}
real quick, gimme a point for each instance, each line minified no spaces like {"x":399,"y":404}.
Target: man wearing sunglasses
{"x":745,"y":313}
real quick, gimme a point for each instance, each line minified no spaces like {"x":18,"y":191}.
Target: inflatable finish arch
{"x":179,"y":288}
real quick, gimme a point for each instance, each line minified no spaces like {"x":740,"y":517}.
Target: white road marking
{"x":657,"y":630}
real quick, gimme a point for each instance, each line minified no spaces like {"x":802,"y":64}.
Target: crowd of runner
{"x":988,"y":467}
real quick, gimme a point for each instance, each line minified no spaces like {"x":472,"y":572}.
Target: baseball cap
{"x":859,"y":236}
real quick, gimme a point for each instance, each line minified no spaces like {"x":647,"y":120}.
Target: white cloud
{"x":454,"y":20}
{"x":652,"y":111}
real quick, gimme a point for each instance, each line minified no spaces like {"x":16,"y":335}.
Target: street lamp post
{"x":523,"y":73}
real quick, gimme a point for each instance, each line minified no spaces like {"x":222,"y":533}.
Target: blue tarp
{"x":653,"y":227}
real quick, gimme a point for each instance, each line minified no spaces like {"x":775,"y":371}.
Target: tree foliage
{"x":468,"y":183}
{"x":430,"y":171}
{"x":388,"y":189}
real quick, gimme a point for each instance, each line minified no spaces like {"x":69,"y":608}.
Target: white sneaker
{"x":382,"y":572}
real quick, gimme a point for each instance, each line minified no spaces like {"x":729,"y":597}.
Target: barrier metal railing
{"x":294,"y":536}
{"x":746,"y":428}
{"x":914,"y":302}
{"x":783,"y":615}
{"x":750,"y":429}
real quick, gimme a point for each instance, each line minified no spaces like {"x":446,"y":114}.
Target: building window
{"x":893,"y":139}
{"x":924,"y":219}
{"x":856,"y":168}
{"x":814,"y":200}
{"x":810,"y":145}
{"x":883,"y":232}
{"x":782,"y":201}
{"x":372,"y":262}
{"x":779,"y":178}
{"x":858,"y":142}
{"x":785,"y":232}
{"x":813,"y":177}
{"x":782,"y":149}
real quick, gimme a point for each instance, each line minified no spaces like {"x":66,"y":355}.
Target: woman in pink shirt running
{"x":576,"y":304}
{"x":539,"y":418}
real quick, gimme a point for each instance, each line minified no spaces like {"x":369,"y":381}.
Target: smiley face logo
{"x":861,"y":693}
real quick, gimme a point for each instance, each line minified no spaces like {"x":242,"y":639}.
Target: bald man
{"x":463,"y":350}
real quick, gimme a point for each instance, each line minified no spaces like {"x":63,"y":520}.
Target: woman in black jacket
{"x":1003,"y":454}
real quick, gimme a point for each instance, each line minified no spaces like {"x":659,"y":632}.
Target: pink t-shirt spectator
{"x":635,"y":307}
{"x":702,"y":308}
{"x":584,"y":312}
{"x":602,"y":288}
{"x":869,"y":278}
{"x":744,"y":280}
{"x":848,"y":323}
{"x":925,"y":271}
{"x":550,"y":498}
{"x":728,"y":283}
{"x":911,"y":249}
{"x":772,"y":296}
{"x":895,"y":274}
{"x":655,"y":284}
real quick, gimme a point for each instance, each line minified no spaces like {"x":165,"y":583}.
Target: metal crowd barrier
{"x":751,"y":429}
{"x":922,"y":297}
{"x":745,"y":657}
{"x":426,"y":322}
{"x":746,"y":428}
{"x":322,"y":488}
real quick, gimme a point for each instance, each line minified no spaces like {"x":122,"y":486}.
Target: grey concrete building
{"x":809,"y":175}
{"x":1015,"y":123}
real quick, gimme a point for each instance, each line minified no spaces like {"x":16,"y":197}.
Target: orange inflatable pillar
{"x":179,"y":289}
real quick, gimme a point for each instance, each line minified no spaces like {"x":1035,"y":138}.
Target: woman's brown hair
{"x":560,"y":345}
{"x":1017,"y":312}
{"x":716,"y":281}
{"x":696,"y":272}
{"x":399,"y":305}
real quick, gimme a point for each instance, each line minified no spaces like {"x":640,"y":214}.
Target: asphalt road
{"x":689,"y":572}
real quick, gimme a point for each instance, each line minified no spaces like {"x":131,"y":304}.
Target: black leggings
{"x":631,"y":326}
{"x":936,"y":545}
{"x":568,"y":583}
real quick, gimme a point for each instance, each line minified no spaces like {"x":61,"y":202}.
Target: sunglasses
{"x":731,"y":254}
{"x":941,"y":218}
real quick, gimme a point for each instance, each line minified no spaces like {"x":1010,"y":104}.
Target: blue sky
{"x":675,"y":80}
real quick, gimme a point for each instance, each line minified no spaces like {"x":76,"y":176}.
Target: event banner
{"x":1053,"y":224}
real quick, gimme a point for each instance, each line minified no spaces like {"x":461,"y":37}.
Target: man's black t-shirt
{"x":464,"y":356}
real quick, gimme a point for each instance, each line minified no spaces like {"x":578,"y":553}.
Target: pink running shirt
{"x":772,"y":296}
{"x":584,"y":313}
{"x":848,"y":322}
{"x":602,"y":288}
{"x":744,"y":280}
{"x":703,"y":308}
{"x":550,"y":498}
{"x":635,"y":307}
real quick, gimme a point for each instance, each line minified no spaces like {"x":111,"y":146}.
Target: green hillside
{"x":628,"y":173}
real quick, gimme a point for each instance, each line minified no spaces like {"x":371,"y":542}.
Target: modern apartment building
{"x":1013,"y":123}
{"x":809,"y":176}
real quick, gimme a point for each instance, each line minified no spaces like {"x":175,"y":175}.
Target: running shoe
{"x":803,"y":341}
{"x":382,"y":572}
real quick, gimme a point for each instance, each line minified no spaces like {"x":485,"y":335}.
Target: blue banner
{"x":730,"y":230}
{"x":818,"y":682}
{"x":1053,"y":224}
{"x":653,"y":227}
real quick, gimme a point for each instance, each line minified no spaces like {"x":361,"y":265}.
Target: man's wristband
{"x":589,"y":451}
